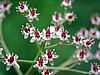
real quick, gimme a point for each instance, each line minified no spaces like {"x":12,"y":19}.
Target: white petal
{"x":1,"y":49}
{"x":25,"y":36}
{"x":51,"y":62}
{"x":40,"y":69}
{"x":55,"y":56}
{"x":32,"y":40}
{"x":15,"y":64}
{"x":8,"y":67}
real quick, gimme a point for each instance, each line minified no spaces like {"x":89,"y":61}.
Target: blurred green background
{"x":12,"y":31}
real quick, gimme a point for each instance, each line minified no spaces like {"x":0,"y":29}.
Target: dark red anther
{"x":82,"y":53}
{"x":21,"y":5}
{"x":5,"y":4}
{"x":26,"y":29}
{"x":11,"y":59}
{"x":94,"y":33}
{"x":40,"y":62}
{"x":63,"y":34}
{"x":49,"y":53}
{"x":77,"y":38}
{"x":57,"y":16}
{"x":37,"y":34}
{"x":70,"y":16}
{"x":57,"y":28}
{"x":67,"y":1}
{"x":32,"y":11}
{"x":46,"y":72}
{"x":48,"y":32}
{"x":89,"y":42}
{"x":83,"y":32}
{"x":95,"y":68}
{"x":95,"y":18}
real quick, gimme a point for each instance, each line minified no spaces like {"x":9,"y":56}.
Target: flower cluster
{"x":30,"y":14}
{"x":4,"y":7}
{"x":80,"y":41}
{"x":56,"y":31}
{"x":92,"y":33}
{"x":51,"y":32}
{"x":43,"y":60}
{"x":69,"y":16}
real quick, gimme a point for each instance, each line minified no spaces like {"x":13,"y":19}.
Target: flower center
{"x":57,"y":28}
{"x":57,"y":16}
{"x":67,"y":1}
{"x":40,"y":62}
{"x":82,"y":53}
{"x":83,"y":32}
{"x":33,"y":12}
{"x":89,"y":42}
{"x":11,"y":59}
{"x":46,"y":72}
{"x":5,"y":4}
{"x":63,"y":34}
{"x":94,"y":33}
{"x":21,"y":6}
{"x":49,"y":53}
{"x":37,"y":34}
{"x":70,"y":16}
{"x":95,"y":18}
{"x":26,"y":29}
{"x":95,"y":68}
{"x":77,"y":38}
{"x":48,"y":32}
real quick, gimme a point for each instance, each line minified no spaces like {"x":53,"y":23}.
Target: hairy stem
{"x":68,"y":69}
{"x":55,"y":45}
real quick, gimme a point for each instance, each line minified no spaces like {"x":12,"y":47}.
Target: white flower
{"x":46,"y":35}
{"x":95,"y":34}
{"x":70,"y":17}
{"x":40,"y":65}
{"x":6,"y":5}
{"x":46,"y":72}
{"x":66,"y":3}
{"x":23,"y":7}
{"x":97,"y":55}
{"x":64,"y":36}
{"x":32,"y":15}
{"x":49,"y":56}
{"x":56,"y":18}
{"x":11,"y":61}
{"x":88,"y":42}
{"x":83,"y":33}
{"x":26,"y":30}
{"x":82,"y":55}
{"x":58,"y":30}
{"x":95,"y":19}
{"x":77,"y":39}
{"x":95,"y":69}
{"x":36,"y":36}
